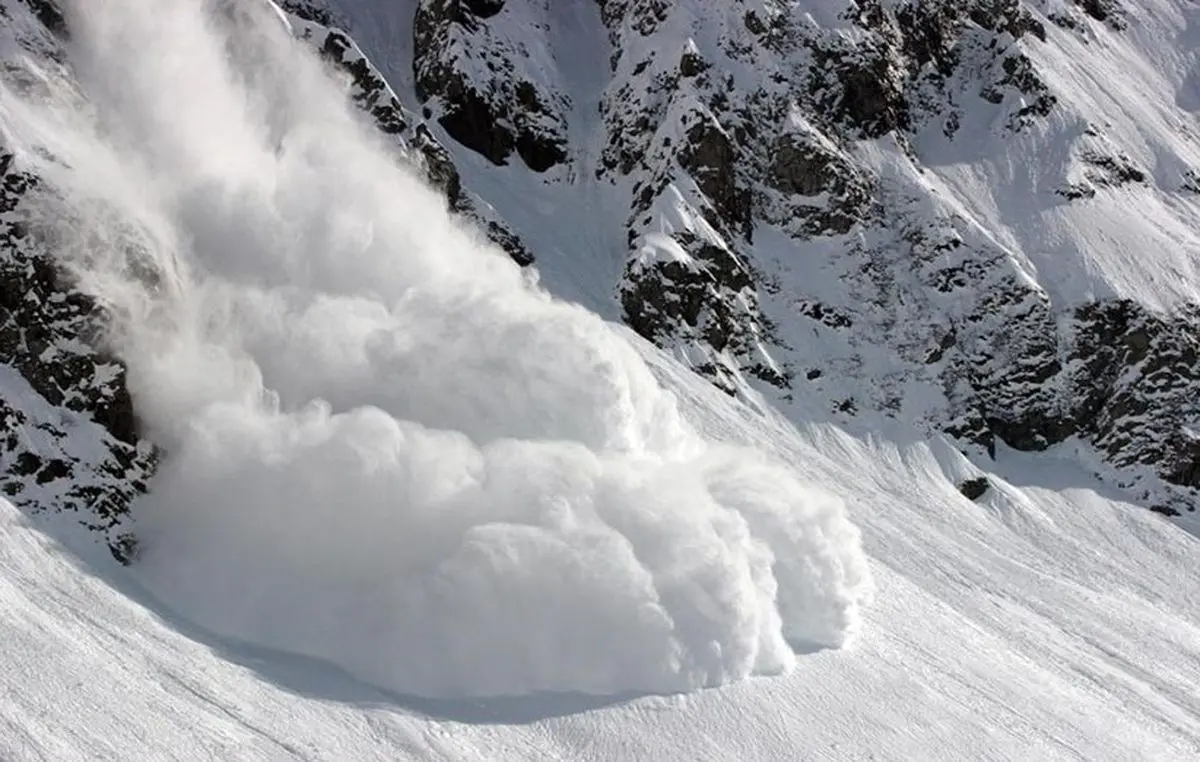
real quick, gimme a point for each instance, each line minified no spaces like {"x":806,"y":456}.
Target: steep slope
{"x":1047,"y":621}
{"x":73,"y":442}
{"x":70,"y":441}
{"x":829,"y":207}
{"x":385,"y":448}
{"x":978,"y":216}
{"x":381,"y":444}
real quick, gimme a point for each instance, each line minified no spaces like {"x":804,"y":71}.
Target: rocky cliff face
{"x":979,"y":216}
{"x":315,"y":23}
{"x":794,"y":176}
{"x":69,"y":441}
{"x":477,"y":74}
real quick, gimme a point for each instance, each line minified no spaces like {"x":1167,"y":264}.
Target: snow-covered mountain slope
{"x":381,"y":444}
{"x":1047,"y":621}
{"x":402,"y":502}
{"x":978,"y":216}
{"x":897,"y":256}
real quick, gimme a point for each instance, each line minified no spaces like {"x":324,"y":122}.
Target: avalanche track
{"x":1046,"y":621}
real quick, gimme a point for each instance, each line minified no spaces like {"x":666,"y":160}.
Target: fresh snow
{"x":1139,"y":241}
{"x":1047,"y":621}
{"x":401,"y":489}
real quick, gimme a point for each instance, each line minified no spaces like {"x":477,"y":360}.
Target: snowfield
{"x":1047,"y":621}
{"x":414,"y":507}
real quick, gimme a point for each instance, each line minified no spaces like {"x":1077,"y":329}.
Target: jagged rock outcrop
{"x":316,"y":11}
{"x":371,"y":92}
{"x":920,"y":304}
{"x":713,"y":154}
{"x":480,"y":80}
{"x":69,"y":440}
{"x":49,"y":14}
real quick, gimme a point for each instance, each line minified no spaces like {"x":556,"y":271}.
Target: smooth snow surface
{"x":385,"y":448}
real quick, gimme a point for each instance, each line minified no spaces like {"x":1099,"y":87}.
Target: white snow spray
{"x":386,"y":448}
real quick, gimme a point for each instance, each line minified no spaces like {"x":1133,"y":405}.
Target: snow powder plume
{"x":385,"y":447}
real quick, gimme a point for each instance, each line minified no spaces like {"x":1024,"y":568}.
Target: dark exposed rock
{"x":937,"y":353}
{"x":1019,"y":75}
{"x":1190,"y":182}
{"x":802,"y":165}
{"x":316,"y":11}
{"x":896,"y":78}
{"x":709,"y":157}
{"x":51,"y":335}
{"x":865,"y":91}
{"x":1165,"y":510}
{"x":1072,"y":191}
{"x":1006,"y":16}
{"x":507,"y":240}
{"x":370,"y":92}
{"x":1064,"y":20}
{"x":439,"y":167}
{"x":493,"y":115}
{"x":699,"y":298}
{"x":1109,"y":11}
{"x":538,"y":151}
{"x":483,"y":9}
{"x":466,"y":116}
{"x":373,"y":95}
{"x":824,"y":314}
{"x":1112,"y":171}
{"x":906,"y":68}
{"x":691,"y":64}
{"x":48,"y":13}
{"x":472,"y":122}
{"x":1128,"y":384}
{"x":973,"y":489}
{"x":1101,"y":170}
{"x":644,"y":16}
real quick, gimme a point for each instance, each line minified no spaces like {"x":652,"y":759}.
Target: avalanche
{"x":383,"y":447}
{"x":412,"y":506}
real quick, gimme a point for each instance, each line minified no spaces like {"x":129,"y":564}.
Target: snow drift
{"x":387,"y":448}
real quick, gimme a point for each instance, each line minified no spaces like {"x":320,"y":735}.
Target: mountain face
{"x":976,"y":215}
{"x":981,"y":217}
{"x":70,"y":440}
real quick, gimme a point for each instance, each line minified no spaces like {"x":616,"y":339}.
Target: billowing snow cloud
{"x":385,"y":447}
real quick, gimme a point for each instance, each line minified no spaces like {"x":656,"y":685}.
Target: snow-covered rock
{"x":371,"y":92}
{"x":942,"y":212}
{"x":386,"y":449}
{"x":976,"y":215}
{"x":69,"y":441}
{"x":479,"y":68}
